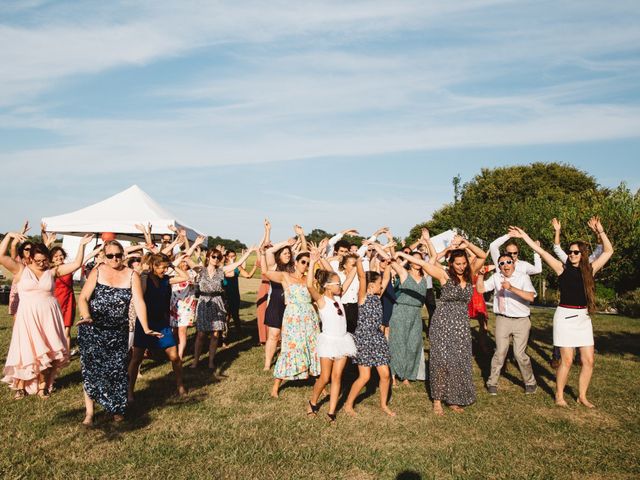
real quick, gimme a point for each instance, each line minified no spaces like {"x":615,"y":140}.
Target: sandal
{"x":332,"y":417}
{"x":314,"y":408}
{"x":20,"y":394}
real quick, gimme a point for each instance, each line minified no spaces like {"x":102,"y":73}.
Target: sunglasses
{"x":41,"y":261}
{"x":574,"y":252}
{"x":26,"y":249}
{"x":215,"y":257}
{"x":505,"y":262}
{"x":111,"y":256}
{"x":513,"y":253}
{"x":337,"y":305}
{"x":333,"y":283}
{"x":304,"y":262}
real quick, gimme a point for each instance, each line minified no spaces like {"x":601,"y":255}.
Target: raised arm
{"x":315,"y":294}
{"x":428,"y":268}
{"x":352,"y":274}
{"x":607,"y":248}
{"x":555,"y":264}
{"x":232,"y":266}
{"x":362,"y":282}
{"x":301,"y":238}
{"x":494,"y":247}
{"x":71,"y":267}
{"x":5,"y":260}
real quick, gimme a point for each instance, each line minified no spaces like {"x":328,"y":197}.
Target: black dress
{"x":275,"y":308}
{"x":104,"y":345}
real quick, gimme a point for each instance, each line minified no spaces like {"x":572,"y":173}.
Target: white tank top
{"x":333,"y":323}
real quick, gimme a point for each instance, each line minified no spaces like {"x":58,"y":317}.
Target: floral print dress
{"x":300,"y":329}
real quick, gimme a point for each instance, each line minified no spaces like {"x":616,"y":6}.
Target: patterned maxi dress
{"x":405,"y":331}
{"x":104,"y":345}
{"x":450,"y":360}
{"x":300,"y":329}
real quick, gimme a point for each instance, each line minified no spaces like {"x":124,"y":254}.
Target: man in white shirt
{"x":513,"y":292}
{"x":512,"y":249}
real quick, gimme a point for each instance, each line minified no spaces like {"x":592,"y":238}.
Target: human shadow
{"x":408,"y":475}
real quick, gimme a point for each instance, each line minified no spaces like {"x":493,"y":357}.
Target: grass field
{"x":233,"y":429}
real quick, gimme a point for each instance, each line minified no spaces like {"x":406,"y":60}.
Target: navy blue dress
{"x":104,"y":345}
{"x":158,"y":300}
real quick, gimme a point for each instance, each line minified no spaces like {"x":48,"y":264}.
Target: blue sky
{"x":328,"y":114}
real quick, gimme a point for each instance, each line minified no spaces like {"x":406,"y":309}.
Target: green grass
{"x":232,"y":429}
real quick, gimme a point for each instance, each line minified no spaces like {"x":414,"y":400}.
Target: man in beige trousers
{"x":513,"y":292}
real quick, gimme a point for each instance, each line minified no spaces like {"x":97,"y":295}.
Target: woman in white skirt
{"x":571,"y":323}
{"x":335,"y":344}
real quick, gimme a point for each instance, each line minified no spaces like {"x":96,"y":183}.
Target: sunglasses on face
{"x":304,"y":262}
{"x":513,"y":253}
{"x":111,"y":256}
{"x":26,"y":249}
{"x":337,"y":305}
{"x":41,"y":261}
{"x":505,"y":262}
{"x":215,"y":257}
{"x":574,"y":252}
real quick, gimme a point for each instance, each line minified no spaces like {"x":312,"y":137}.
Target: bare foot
{"x":88,"y":421}
{"x":118,"y":418}
{"x":43,"y":394}
{"x":561,"y":403}
{"x":586,"y":403}
{"x":350,"y":411}
{"x":274,"y":392}
{"x":20,"y":394}
{"x":438,"y":410}
{"x":266,"y":369}
{"x":182,"y":392}
{"x":193,"y":365}
{"x":456,"y":408}
{"x":388,"y":411}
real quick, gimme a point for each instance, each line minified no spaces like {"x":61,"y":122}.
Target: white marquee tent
{"x":118,"y":214}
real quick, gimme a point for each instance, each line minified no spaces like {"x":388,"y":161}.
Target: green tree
{"x":529,"y":196}
{"x":235,"y":245}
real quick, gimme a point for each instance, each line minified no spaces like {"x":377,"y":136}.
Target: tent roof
{"x":119,"y":214}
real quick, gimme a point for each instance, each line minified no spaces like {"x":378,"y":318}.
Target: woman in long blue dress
{"x":103,"y":332}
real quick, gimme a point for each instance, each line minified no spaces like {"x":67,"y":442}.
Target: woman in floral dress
{"x":300,"y":326}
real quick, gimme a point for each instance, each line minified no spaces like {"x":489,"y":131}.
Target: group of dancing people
{"x":323,"y":304}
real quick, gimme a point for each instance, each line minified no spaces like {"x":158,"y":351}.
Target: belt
{"x":576,"y":307}
{"x":507,"y":316}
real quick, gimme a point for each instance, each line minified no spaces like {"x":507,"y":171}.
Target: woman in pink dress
{"x":38,"y":348}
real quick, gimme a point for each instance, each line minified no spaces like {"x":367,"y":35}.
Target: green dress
{"x":405,"y":331}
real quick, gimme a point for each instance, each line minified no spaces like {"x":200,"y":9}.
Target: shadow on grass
{"x":408,"y":475}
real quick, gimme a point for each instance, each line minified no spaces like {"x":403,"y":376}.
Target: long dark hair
{"x":284,"y":267}
{"x":467,"y":271}
{"x":586,"y":270}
